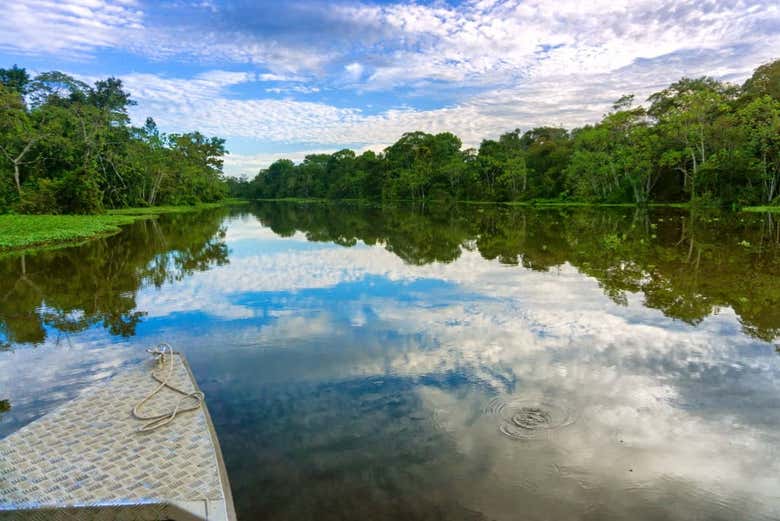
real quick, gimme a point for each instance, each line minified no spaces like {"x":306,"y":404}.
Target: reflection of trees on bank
{"x":71,"y":289}
{"x":687,"y":264}
{"x":417,"y":236}
{"x":5,"y":406}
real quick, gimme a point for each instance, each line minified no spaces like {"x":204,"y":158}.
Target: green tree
{"x":687,"y":125}
{"x":761,"y":119}
{"x":68,"y":147}
{"x":18,"y":134}
{"x":765,"y":81}
{"x":15,"y":78}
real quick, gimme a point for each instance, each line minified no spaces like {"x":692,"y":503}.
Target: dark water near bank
{"x":472,"y":363}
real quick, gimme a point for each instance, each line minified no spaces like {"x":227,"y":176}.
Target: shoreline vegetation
{"x":762,"y":209}
{"x":73,"y":168}
{"x":699,"y":142}
{"x":68,"y":148}
{"x":20,"y":232}
{"x":160,"y":210}
{"x":534,"y":203}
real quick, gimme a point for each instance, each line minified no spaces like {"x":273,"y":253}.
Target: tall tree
{"x":18,"y":134}
{"x":765,"y":81}
{"x":686,"y":123}
{"x":15,"y":78}
{"x":761,"y":118}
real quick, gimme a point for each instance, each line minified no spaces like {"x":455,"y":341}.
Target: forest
{"x":699,"y":140}
{"x":68,"y":147}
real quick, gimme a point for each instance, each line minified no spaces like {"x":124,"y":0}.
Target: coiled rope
{"x":162,"y":353}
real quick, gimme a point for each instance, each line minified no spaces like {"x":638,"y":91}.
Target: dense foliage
{"x":68,"y":147}
{"x":697,"y":139}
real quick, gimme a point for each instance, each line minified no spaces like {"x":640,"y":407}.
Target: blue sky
{"x":287,"y":78}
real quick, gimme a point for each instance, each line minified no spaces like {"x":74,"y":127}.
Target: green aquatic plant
{"x":21,"y":231}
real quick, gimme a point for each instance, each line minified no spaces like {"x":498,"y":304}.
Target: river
{"x":447,"y":362}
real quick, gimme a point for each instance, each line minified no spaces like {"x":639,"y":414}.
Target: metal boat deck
{"x":87,"y":460}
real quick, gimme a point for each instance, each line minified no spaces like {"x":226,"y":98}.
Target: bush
{"x":39,"y":197}
{"x":78,"y":192}
{"x":8,"y":195}
{"x":74,"y":193}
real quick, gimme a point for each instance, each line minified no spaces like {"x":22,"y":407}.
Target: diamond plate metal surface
{"x":88,"y":453}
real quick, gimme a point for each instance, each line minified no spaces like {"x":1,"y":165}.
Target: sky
{"x":289,"y":78}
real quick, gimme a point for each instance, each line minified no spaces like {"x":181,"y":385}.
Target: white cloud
{"x":300,"y":89}
{"x":500,"y":65}
{"x":183,"y":104}
{"x":354,"y":71}
{"x":492,"y":43}
{"x":72,"y":28}
{"x":268,"y":76}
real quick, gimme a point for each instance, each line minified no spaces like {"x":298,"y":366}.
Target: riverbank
{"x":762,"y":209}
{"x":160,"y":210}
{"x":19,"y":231}
{"x":534,"y":203}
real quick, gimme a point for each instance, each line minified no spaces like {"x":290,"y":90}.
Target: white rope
{"x":156,"y":421}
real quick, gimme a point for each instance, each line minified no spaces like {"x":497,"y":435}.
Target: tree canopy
{"x":69,"y":147}
{"x":698,"y":139}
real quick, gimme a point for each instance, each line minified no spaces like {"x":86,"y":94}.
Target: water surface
{"x":470,"y":362}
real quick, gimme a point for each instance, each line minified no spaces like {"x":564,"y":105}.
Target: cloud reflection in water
{"x":348,"y":383}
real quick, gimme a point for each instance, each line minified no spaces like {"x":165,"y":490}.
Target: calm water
{"x":441,"y":363}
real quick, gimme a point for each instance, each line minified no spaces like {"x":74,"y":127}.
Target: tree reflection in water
{"x":70,"y":289}
{"x":345,"y":385}
{"x":686,"y":263}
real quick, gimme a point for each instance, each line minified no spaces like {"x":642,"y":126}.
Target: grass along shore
{"x":159,"y":210}
{"x":24,"y":231}
{"x":531,"y":203}
{"x":21,"y":231}
{"x":761,"y":209}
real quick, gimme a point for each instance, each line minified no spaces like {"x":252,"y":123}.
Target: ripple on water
{"x":522,"y":419}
